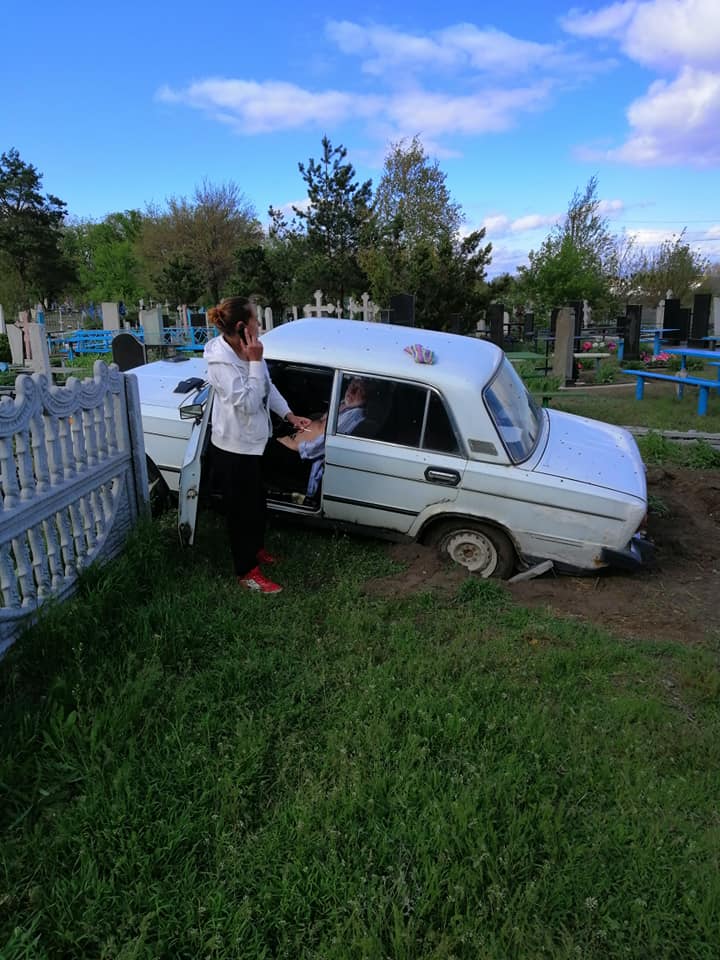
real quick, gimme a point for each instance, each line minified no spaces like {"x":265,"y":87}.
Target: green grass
{"x":190,"y":771}
{"x":659,"y":409}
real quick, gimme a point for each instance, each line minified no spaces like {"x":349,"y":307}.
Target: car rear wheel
{"x":480,"y":548}
{"x":158,"y":489}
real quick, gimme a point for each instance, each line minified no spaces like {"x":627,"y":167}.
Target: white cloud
{"x":506,"y":260}
{"x":462,"y":46}
{"x":677,"y":121}
{"x":500,"y":225}
{"x":664,"y":34}
{"x":607,"y":22}
{"x":254,"y":108}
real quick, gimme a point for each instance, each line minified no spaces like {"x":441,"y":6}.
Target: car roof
{"x":380,"y":348}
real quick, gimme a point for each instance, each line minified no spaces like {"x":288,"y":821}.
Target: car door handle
{"x":450,"y":478}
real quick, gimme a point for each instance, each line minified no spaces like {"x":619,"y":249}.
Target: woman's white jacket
{"x":244,"y":397}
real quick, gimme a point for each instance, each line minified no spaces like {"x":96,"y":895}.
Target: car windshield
{"x":516,"y":415}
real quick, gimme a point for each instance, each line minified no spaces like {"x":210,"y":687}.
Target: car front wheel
{"x":480,"y":548}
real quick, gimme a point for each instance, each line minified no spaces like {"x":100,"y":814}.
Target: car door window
{"x":439,"y":434}
{"x":396,"y":412}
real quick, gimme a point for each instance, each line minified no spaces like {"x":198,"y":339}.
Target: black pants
{"x":240,"y":480}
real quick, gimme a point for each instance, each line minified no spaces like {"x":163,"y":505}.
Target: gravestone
{"x":128,"y":352}
{"x":403,"y":309}
{"x":715,"y":317}
{"x":631,"y":333}
{"x":152,"y":323}
{"x":495,"y":321}
{"x":563,"y":360}
{"x":39,"y":347}
{"x":648,"y":317}
{"x":700,"y":323}
{"x":553,"y":320}
{"x":198,"y":320}
{"x":528,"y":325}
{"x":671,"y":320}
{"x":17,"y":351}
{"x":685,"y":320}
{"x":110,"y":315}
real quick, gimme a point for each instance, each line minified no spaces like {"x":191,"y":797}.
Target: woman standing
{"x":241,"y":427}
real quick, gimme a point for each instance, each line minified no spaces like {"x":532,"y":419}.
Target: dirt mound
{"x":678,"y":600}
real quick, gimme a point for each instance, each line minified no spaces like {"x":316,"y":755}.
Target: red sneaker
{"x":256,"y":581}
{"x":264,"y":557}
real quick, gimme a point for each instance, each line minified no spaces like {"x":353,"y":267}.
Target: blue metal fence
{"x":100,"y":341}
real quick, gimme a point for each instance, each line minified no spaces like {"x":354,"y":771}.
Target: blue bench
{"x":705,"y":386}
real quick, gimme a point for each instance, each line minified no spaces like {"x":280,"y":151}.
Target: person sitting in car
{"x":309,"y":444}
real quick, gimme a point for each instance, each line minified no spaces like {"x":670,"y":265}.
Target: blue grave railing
{"x":82,"y":342}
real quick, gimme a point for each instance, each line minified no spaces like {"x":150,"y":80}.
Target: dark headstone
{"x":455,"y":322}
{"x":620,"y":325}
{"x":685,"y":318}
{"x":700,"y":324}
{"x":402,"y":306}
{"x":128,"y":352}
{"x":671,"y":321}
{"x":631,"y":333}
{"x":553,"y":320}
{"x":528,"y":325}
{"x":495,"y":323}
{"x":198,"y":320}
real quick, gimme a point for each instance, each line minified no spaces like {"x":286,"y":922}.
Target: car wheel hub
{"x":472,"y":550}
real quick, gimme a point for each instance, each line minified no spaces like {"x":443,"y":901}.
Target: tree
{"x":107,"y":256}
{"x":673,"y":265}
{"x":205,"y":231}
{"x":576,"y":261}
{"x":179,"y":282}
{"x":31,"y":232}
{"x":335,"y":220}
{"x":412,"y":200}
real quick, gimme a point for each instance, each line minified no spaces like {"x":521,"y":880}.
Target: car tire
{"x":158,"y":490}
{"x":481,"y":548}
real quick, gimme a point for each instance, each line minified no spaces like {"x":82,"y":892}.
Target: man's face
{"x":354,"y":394}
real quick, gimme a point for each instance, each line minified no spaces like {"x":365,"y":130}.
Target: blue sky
{"x":120,"y":105}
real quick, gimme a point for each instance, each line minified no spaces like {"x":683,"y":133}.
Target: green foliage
{"x":658,"y":507}
{"x":337,"y":776}
{"x":674,"y":266}
{"x":414,"y":244}
{"x":198,"y":239}
{"x":412,"y":200}
{"x":576,"y":261}
{"x":608,"y":371}
{"x":108,"y":257}
{"x":696,"y":454}
{"x":691,"y":363}
{"x":336,"y":219}
{"x":31,"y":234}
{"x":179,"y":281}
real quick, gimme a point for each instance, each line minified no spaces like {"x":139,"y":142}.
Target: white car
{"x":455,"y":452}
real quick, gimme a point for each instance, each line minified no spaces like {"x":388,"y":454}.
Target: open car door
{"x":190,"y":474}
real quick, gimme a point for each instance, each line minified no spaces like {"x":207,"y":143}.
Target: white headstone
{"x":152,"y":323}
{"x":110,"y":315}
{"x":15,"y":336}
{"x":39,"y":347}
